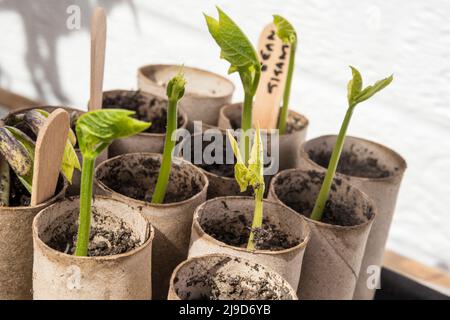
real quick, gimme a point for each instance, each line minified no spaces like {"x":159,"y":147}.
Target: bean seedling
{"x":239,"y":52}
{"x":95,"y":131}
{"x":355,"y":95}
{"x":287,"y":34}
{"x":251,"y":175}
{"x":175,"y":91}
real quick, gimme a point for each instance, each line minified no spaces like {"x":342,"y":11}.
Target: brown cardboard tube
{"x":382,"y":190}
{"x":172,"y":221}
{"x":230,"y":212}
{"x":206,"y":92}
{"x":16,"y":243}
{"x":197,"y":277}
{"x":230,"y":118}
{"x":144,"y":141}
{"x":334,"y":253}
{"x":57,"y":275}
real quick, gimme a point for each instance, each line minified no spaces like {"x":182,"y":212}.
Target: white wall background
{"x":41,"y":58}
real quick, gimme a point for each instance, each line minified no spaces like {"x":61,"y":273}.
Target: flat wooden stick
{"x":274,"y":56}
{"x":48,"y":156}
{"x":98,"y":46}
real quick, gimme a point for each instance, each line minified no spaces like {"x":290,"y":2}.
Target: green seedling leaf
{"x":354,"y":86}
{"x":285,"y":31}
{"x":5,"y":182}
{"x":18,"y":149}
{"x":251,"y":175}
{"x":175,"y":91}
{"x":35,"y":119}
{"x":97,"y":129}
{"x":235,"y":48}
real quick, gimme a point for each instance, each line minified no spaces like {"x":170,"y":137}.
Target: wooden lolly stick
{"x":274,"y":56}
{"x":98,"y":45}
{"x":48,"y":156}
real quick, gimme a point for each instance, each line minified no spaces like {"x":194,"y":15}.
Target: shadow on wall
{"x":44,"y":22}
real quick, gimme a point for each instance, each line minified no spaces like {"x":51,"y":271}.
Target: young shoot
{"x":175,"y":91}
{"x":287,"y":34}
{"x":251,"y":175}
{"x":95,"y":131}
{"x":239,"y":52}
{"x":355,"y":95}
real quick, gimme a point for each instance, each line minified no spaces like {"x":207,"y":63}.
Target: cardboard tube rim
{"x":148,"y":204}
{"x":396,"y":174}
{"x":292,"y":292}
{"x":45,"y":248}
{"x":144,"y":70}
{"x":203,"y":233}
{"x":364,"y":196}
{"x":148,"y":95}
{"x":304,"y":120}
{"x":62,"y":192}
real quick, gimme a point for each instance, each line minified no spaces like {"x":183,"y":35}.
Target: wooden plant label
{"x":274,"y":56}
{"x":98,"y":45}
{"x":48,"y":156}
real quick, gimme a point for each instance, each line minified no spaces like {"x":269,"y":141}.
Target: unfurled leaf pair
{"x":356,"y":94}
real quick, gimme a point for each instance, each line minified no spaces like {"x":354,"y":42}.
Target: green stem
{"x":246,"y":124}
{"x":332,"y":166}
{"x":287,"y":90}
{"x":257,"y":216}
{"x":169,"y":144}
{"x":84,"y":226}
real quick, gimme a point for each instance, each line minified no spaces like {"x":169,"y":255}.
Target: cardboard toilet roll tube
{"x":16,"y":243}
{"x":172,"y":220}
{"x":144,"y":141}
{"x":206,"y":92}
{"x":57,"y":275}
{"x":196,"y":278}
{"x":335,"y":251}
{"x":297,"y":126}
{"x":234,"y":215}
{"x":383,"y":190}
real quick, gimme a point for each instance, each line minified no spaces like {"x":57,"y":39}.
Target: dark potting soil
{"x":149,"y":111}
{"x":221,"y":170}
{"x":18,"y":194}
{"x":130,"y":182}
{"x":226,"y":287}
{"x":102,"y":242}
{"x":235,"y":231}
{"x":350,"y":164}
{"x":223,"y":286}
{"x":342,"y":214}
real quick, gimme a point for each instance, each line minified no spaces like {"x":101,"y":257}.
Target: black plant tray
{"x":395,"y":286}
